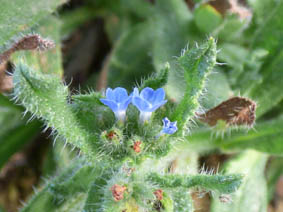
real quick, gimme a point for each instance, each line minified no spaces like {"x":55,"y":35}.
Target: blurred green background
{"x":110,"y":43}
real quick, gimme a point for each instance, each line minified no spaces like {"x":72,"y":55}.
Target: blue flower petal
{"x":165,"y":122}
{"x":169,"y":127}
{"x":135,"y":92}
{"x":117,"y":100}
{"x":158,"y":105}
{"x":159,"y":95}
{"x":113,"y":105}
{"x":148,"y":100}
{"x":125,"y":103}
{"x":141,"y":104}
{"x":148,"y":94}
{"x":120,"y":94}
{"x":170,"y":130}
{"x":110,"y":94}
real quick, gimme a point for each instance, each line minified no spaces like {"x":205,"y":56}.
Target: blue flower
{"x":148,"y":101}
{"x":169,"y":127}
{"x":118,"y":101}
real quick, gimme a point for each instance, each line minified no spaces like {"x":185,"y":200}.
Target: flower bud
{"x":113,"y":136}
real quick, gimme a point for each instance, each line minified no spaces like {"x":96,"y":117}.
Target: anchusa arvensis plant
{"x":126,"y":161}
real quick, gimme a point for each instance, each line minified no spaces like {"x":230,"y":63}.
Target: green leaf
{"x":46,"y":97}
{"x":248,"y":71}
{"x":16,"y":138}
{"x":207,"y":18}
{"x":251,"y":196}
{"x":195,"y":64}
{"x":262,"y":9}
{"x":67,"y":192}
{"x":167,"y":203}
{"x":92,"y":115}
{"x":10,"y":115}
{"x":95,"y":194}
{"x":267,"y":137}
{"x":234,"y":55}
{"x":173,"y":28}
{"x":18,"y":16}
{"x":74,"y":18}
{"x":142,"y":9}
{"x":217,"y":89}
{"x":14,"y":132}
{"x":158,"y":80}
{"x":232,"y":29}
{"x":170,"y":29}
{"x":1,"y":209}
{"x":273,"y":173}
{"x":272,"y":23}
{"x":268,"y":91}
{"x":130,"y":57}
{"x":269,"y":37}
{"x":182,"y":201}
{"x":223,"y":184}
{"x":57,"y":158}
{"x":6,"y":103}
{"x":89,"y":100}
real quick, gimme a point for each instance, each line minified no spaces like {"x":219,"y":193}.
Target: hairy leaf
{"x":182,"y":201}
{"x":266,"y":138}
{"x":218,"y":183}
{"x":67,"y":192}
{"x":46,"y":97}
{"x":269,"y":37}
{"x":18,"y":16}
{"x":251,"y":196}
{"x":158,"y":80}
{"x":196,"y":64}
{"x":92,"y":115}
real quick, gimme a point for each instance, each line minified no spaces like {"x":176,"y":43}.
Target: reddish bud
{"x":158,"y":194}
{"x":137,"y":146}
{"x":118,"y":192}
{"x":111,"y":135}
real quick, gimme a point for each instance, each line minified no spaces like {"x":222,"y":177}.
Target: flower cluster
{"x":147,"y":101}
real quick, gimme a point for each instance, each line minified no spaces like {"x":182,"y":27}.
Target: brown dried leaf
{"x":28,"y":42}
{"x":235,"y":111}
{"x":240,"y":10}
{"x":6,"y":82}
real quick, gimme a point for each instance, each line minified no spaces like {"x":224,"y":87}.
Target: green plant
{"x":128,"y":160}
{"x":120,"y":148}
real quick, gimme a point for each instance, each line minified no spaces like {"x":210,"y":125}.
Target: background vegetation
{"x":100,"y":44}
